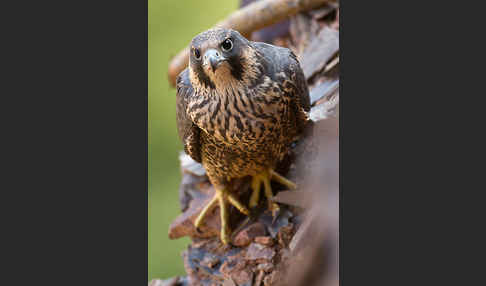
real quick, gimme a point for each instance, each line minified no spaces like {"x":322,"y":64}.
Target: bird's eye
{"x":227,"y":45}
{"x":197,"y":54}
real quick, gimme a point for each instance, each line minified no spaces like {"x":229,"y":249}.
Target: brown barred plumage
{"x":238,"y":110}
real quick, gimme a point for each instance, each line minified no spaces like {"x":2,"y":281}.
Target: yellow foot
{"x":265,"y":177}
{"x":221,"y":197}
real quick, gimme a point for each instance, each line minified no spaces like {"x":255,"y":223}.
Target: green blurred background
{"x":171,"y":26}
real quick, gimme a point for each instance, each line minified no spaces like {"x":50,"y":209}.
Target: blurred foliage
{"x":171,"y":26}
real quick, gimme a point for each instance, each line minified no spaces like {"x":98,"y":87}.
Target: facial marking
{"x":233,"y":63}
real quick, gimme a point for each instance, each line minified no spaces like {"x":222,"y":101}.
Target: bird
{"x":239,"y":106}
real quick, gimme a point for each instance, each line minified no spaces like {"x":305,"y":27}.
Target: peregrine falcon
{"x":240,"y":104}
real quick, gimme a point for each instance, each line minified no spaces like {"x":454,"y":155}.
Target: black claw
{"x":275,"y":215}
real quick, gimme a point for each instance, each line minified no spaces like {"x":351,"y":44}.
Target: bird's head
{"x":221,"y":58}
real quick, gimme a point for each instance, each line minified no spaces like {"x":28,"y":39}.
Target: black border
{"x":76,"y":155}
{"x":403,"y":140}
{"x":75,"y":141}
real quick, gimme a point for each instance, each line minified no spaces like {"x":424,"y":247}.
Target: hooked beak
{"x":213,"y":58}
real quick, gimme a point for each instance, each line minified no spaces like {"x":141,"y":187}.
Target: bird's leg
{"x":222,"y":197}
{"x":223,"y":211}
{"x":269,"y":194}
{"x":255,"y":195}
{"x":282,"y":180}
{"x":205,"y":211}
{"x":265,"y":177}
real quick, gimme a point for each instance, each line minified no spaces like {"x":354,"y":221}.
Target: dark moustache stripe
{"x":236,"y":65}
{"x":203,"y":78}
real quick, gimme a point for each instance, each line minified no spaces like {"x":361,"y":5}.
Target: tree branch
{"x":253,"y":17}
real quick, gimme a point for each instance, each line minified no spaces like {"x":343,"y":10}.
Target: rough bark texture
{"x":300,"y":245}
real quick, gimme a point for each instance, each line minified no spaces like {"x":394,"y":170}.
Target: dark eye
{"x":227,"y":45}
{"x":197,"y":54}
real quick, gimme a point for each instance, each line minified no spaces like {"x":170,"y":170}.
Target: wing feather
{"x":188,"y":131}
{"x":282,"y":65}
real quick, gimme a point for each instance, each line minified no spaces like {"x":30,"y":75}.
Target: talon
{"x":282,"y":180}
{"x":205,"y":211}
{"x":225,"y":237}
{"x":275,"y":209}
{"x":221,"y":198}
{"x":255,"y":195}
{"x":236,"y":203}
{"x":265,"y":177}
